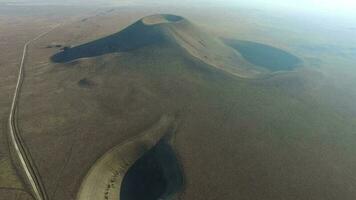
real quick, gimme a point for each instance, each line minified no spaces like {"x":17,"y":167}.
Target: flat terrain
{"x":10,"y":59}
{"x":17,"y":26}
{"x":288,"y":136}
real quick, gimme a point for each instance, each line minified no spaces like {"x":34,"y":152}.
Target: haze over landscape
{"x":164,"y":100}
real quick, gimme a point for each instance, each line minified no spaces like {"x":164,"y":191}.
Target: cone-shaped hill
{"x":166,"y":29}
{"x":159,"y":111}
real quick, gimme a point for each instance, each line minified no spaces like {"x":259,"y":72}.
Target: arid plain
{"x":285,"y":134}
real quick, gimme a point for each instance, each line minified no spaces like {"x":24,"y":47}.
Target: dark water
{"x":265,"y":56}
{"x":156,"y":175}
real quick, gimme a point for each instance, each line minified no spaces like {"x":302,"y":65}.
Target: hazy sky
{"x":332,"y":7}
{"x":340,"y":6}
{"x":344,"y":7}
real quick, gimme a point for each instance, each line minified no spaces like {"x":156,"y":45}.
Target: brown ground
{"x":17,"y":26}
{"x":14,"y":31}
{"x":236,"y":139}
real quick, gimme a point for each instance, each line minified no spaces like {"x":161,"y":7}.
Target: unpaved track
{"x":15,"y":139}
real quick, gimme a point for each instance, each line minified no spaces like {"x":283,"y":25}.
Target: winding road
{"x":15,"y":139}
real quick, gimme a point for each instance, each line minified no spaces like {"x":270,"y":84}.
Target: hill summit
{"x":171,"y":29}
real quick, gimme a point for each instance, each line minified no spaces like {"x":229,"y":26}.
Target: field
{"x":288,"y":135}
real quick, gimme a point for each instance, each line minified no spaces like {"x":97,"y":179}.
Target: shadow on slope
{"x":271,"y":58}
{"x":167,"y":29}
{"x":156,"y":175}
{"x":135,"y":36}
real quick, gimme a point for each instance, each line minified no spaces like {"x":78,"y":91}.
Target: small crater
{"x":161,"y":19}
{"x":172,"y":18}
{"x":86,"y":83}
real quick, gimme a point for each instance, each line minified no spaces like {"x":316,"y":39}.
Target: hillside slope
{"x":234,"y":138}
{"x":171,"y":29}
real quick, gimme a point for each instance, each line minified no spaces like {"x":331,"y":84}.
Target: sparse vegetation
{"x":286,"y":136}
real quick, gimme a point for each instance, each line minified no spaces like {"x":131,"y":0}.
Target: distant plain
{"x":290,"y":136}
